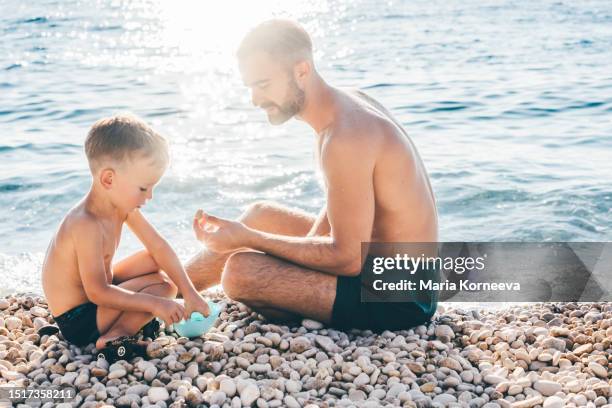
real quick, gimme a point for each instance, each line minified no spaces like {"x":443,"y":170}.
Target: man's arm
{"x":348,"y":164}
{"x":321,"y":225}
{"x":88,"y":242}
{"x":160,"y":250}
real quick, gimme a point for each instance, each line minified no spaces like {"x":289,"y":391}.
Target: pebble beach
{"x":542,"y":355}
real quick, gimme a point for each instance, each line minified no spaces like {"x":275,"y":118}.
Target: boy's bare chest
{"x":111,"y":238}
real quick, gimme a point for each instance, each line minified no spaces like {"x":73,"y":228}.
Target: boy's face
{"x":134,"y":182}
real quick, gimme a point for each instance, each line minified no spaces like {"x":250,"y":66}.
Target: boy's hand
{"x":196,"y":303}
{"x":170,"y":311}
{"x":219,"y":235}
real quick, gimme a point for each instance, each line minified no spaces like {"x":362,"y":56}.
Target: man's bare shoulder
{"x":346,"y":141}
{"x":361,"y":125}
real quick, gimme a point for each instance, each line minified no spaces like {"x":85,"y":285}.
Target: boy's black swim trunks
{"x":78,"y":325}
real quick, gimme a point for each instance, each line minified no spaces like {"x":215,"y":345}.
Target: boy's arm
{"x":88,"y":242}
{"x":161,"y":251}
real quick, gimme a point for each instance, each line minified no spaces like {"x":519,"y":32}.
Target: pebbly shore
{"x":544,"y":355}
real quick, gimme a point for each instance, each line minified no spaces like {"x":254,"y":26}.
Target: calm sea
{"x":508,"y":102}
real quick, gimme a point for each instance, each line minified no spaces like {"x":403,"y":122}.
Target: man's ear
{"x":301,"y":72}
{"x":107,"y":177}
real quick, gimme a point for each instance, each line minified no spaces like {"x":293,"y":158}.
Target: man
{"x":285,"y":263}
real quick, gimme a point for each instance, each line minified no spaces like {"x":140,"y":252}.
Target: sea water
{"x":508,"y":102}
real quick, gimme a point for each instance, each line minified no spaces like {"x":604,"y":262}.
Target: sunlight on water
{"x":198,"y":28}
{"x":507,"y":105}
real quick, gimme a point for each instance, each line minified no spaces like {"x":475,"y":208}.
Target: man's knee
{"x":256,"y":212}
{"x":236,"y":280}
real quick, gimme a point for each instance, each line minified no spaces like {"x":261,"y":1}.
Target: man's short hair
{"x":122,"y":137}
{"x":282,"y":39}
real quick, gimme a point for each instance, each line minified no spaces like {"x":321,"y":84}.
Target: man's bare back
{"x":405,"y":209}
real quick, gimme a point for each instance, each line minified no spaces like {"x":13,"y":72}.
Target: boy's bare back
{"x":61,"y":278}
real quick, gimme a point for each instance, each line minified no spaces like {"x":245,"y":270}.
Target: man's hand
{"x":195,"y":303}
{"x":219,"y":235}
{"x":170,"y":311}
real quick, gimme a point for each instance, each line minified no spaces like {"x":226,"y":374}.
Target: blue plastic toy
{"x":198,"y":324}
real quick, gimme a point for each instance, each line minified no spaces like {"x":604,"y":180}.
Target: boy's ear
{"x":107,"y":177}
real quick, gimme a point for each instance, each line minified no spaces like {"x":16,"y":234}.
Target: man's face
{"x":273,"y":87}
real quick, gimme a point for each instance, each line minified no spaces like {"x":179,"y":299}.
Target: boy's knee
{"x":169,"y":289}
{"x":172,"y":290}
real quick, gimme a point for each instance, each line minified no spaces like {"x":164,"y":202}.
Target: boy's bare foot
{"x":108,"y":337}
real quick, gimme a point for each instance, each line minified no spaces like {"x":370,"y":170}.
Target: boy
{"x":89,"y":299}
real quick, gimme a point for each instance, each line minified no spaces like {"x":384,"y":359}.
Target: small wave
{"x":19,"y":184}
{"x":106,"y":28}
{"x":13,"y":66}
{"x":382,"y":85}
{"x":443,"y":174}
{"x":482,"y":118}
{"x":22,"y":110}
{"x":33,"y":20}
{"x":79,"y":112}
{"x":44,"y":113}
{"x":582,"y":43}
{"x":397,"y":17}
{"x":447,"y":108}
{"x":26,"y":146}
{"x":530,"y":112}
{"x":41,"y":148}
{"x":599,"y":141}
{"x":164,"y":112}
{"x":483,"y":58}
{"x":582,"y":224}
{"x":586,"y":105}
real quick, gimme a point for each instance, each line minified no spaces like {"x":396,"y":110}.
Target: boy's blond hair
{"x":121,"y":137}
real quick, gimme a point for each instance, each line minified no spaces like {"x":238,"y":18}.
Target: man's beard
{"x":291,"y":107}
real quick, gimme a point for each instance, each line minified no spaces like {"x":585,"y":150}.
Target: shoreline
{"x":550,"y":355}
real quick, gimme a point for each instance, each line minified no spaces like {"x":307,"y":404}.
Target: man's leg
{"x":279,"y":289}
{"x":206,"y":267}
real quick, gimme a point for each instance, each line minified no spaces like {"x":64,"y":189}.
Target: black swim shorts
{"x":78,"y":325}
{"x":349,"y":312}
